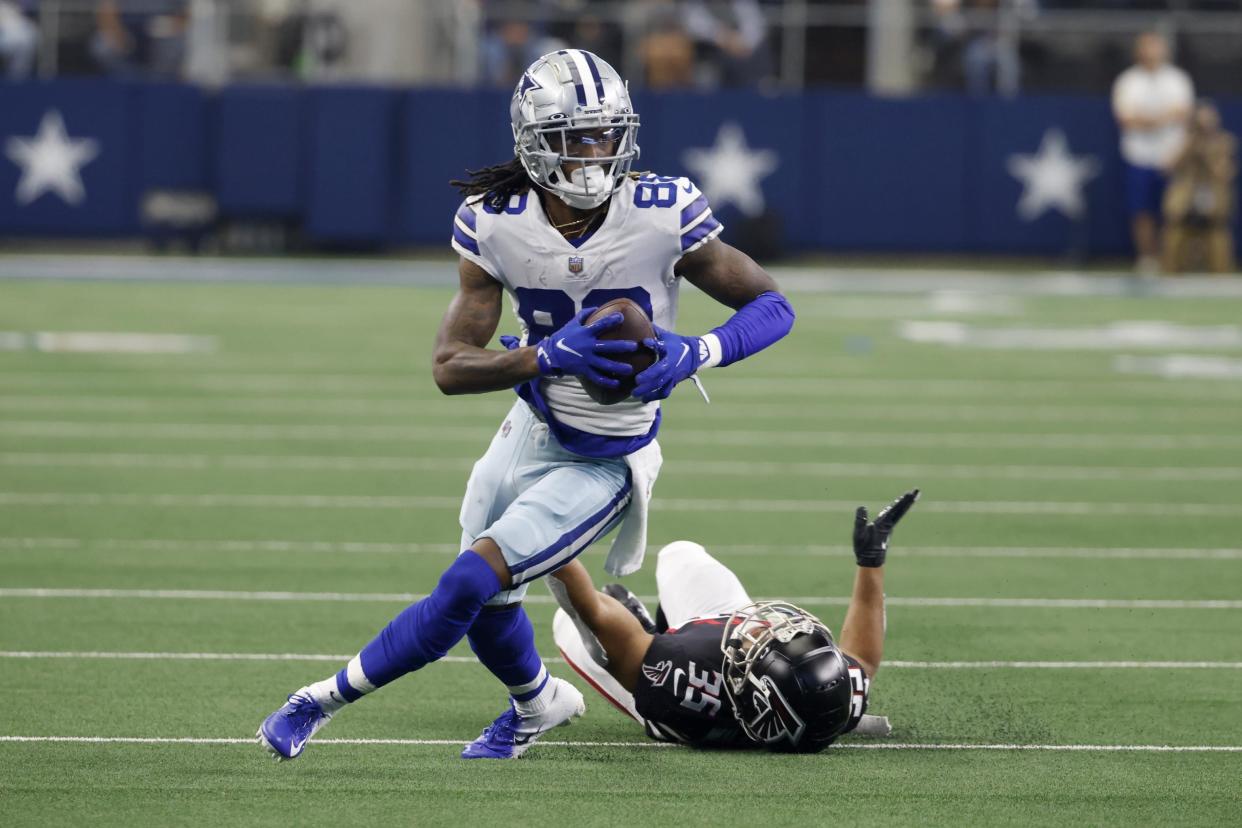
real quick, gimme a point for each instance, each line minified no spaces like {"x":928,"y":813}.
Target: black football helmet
{"x":789,"y":683}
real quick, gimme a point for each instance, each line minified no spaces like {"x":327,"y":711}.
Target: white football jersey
{"x":1139,"y":91}
{"x":651,"y":223}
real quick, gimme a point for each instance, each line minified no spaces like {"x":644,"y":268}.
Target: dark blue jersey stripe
{"x":467,"y":216}
{"x":704,"y":228}
{"x":469,"y":243}
{"x":696,"y":208}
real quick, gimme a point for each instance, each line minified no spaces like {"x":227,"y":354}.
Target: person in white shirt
{"x":1152,"y":102}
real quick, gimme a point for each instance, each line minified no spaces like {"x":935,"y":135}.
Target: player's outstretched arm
{"x":862,"y":632}
{"x":623,"y":638}
{"x":734,"y":279}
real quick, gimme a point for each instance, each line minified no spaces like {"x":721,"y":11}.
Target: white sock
{"x":327,"y":692}
{"x":540,"y":701}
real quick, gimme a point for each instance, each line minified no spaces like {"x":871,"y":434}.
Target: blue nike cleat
{"x":511,"y":734}
{"x":286,"y":732}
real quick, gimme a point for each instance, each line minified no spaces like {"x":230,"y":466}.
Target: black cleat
{"x":630,"y":601}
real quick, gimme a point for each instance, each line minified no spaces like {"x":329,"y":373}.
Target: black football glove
{"x":871,"y":539}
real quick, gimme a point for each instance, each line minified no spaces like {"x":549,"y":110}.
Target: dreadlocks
{"x":496,"y":183}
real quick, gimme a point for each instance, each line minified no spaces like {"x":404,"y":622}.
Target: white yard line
{"x":724,"y":550}
{"x":800,"y":386}
{"x":712,"y":437}
{"x":495,"y":409}
{"x":546,"y":743}
{"x":217,"y":462}
{"x":1064,"y":665}
{"x":247,"y":462}
{"x":811,"y":281}
{"x":381,"y":407}
{"x":1066,"y":748}
{"x":909,"y":665}
{"x":105,"y":342}
{"x":200,"y":546}
{"x":1085,"y":552}
{"x":667,"y":504}
{"x":407,"y":597}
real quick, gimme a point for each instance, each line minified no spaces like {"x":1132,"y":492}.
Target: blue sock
{"x":424,"y":631}
{"x":504,"y":641}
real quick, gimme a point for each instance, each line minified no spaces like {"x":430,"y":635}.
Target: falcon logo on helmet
{"x":574,"y":128}
{"x":789,"y":684}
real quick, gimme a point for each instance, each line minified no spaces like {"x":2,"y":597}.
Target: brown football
{"x":636,"y":327}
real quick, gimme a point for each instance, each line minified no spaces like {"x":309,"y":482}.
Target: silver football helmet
{"x":574,"y":128}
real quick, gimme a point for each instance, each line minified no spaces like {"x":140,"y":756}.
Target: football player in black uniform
{"x":717,"y":669}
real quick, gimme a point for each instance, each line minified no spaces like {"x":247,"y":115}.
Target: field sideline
{"x":196,"y":527}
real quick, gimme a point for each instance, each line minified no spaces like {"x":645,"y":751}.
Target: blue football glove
{"x":677,"y":357}
{"x":576,"y":350}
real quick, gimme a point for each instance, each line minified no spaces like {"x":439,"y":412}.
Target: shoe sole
{"x":266,"y":745}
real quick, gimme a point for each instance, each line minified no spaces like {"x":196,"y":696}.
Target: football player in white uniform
{"x":562,"y":228}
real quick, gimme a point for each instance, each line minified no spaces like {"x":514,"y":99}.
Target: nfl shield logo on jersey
{"x":575,"y":264}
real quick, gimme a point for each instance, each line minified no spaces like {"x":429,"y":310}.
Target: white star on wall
{"x":1052,"y":178}
{"x":51,"y":161}
{"x":729,"y":172}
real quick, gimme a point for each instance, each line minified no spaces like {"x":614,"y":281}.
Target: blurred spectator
{"x":973,"y":51}
{"x":1199,"y":202}
{"x":510,"y":44}
{"x":731,"y":36}
{"x":989,"y":60}
{"x":666,"y":50}
{"x":1151,"y":101}
{"x":142,"y":38}
{"x":597,"y":37}
{"x":19,"y":38}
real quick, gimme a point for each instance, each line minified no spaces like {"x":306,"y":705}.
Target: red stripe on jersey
{"x":598,"y":689}
{"x":713,"y":622}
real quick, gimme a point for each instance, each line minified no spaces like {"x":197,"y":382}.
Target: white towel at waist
{"x":625,"y":557}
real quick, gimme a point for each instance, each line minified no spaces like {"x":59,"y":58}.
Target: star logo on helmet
{"x":527,"y":84}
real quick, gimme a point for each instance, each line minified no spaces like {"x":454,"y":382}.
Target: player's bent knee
{"x":489,"y":550}
{"x":470,"y":580}
{"x":681,"y":548}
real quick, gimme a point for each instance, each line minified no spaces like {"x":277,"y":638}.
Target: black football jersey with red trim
{"x":680,"y":692}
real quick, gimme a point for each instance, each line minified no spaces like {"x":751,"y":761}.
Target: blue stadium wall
{"x":368,"y":167}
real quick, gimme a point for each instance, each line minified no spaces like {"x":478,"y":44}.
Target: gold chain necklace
{"x":575,"y":221}
{"x":586,"y":222}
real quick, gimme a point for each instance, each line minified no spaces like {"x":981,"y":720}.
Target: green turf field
{"x":185,"y":538}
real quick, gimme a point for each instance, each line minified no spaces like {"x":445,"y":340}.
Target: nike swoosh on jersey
{"x":560,"y":343}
